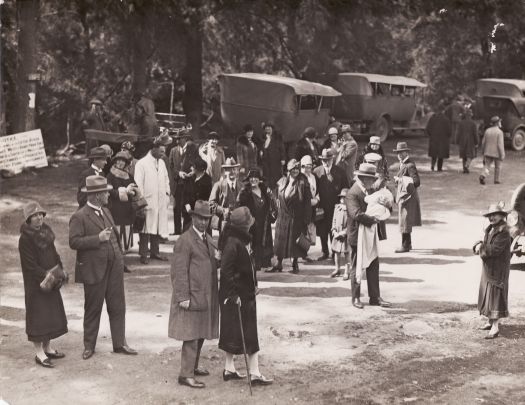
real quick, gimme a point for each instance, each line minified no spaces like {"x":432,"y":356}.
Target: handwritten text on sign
{"x":25,"y":149}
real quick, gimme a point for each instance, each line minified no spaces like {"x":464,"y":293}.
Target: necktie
{"x":204,"y":238}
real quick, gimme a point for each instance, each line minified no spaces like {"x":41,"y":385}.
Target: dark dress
{"x":494,"y":286}
{"x":237,"y":279}
{"x":45,"y":315}
{"x":122,"y":211}
{"x":264,"y":211}
{"x":271,"y":160}
{"x":294,"y":215}
{"x":439,"y":132}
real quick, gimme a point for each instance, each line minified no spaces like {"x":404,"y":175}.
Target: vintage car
{"x":506,"y":99}
{"x":290,"y":104}
{"x":516,"y":220}
{"x":378,"y":104}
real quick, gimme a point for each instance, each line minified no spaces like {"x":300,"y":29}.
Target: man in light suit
{"x":99,"y":266}
{"x":194,"y":312}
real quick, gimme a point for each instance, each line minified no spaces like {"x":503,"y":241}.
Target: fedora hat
{"x":343,"y":192}
{"x":494,"y":120}
{"x":107,"y":148}
{"x":375,"y":140}
{"x":401,"y":147}
{"x":31,"y":209}
{"x":497,"y":208}
{"x":96,"y":184}
{"x":241,"y":218}
{"x":202,"y":209}
{"x":98,"y":152}
{"x":327,"y":154}
{"x":293,"y":163}
{"x":230,"y":163}
{"x":366,"y":170}
{"x":372,"y":157}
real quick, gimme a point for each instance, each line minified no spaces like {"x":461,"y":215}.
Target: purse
{"x":303,"y":242}
{"x":55,"y":277}
{"x":319,"y":214}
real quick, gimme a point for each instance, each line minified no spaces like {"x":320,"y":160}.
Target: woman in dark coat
{"x":494,"y":251}
{"x":272,"y":156}
{"x":468,"y":140}
{"x":259,"y":200}
{"x":294,"y":215}
{"x":307,"y":146}
{"x":374,"y":146}
{"x":439,"y":131}
{"x":247,"y":150}
{"x":238,"y":289}
{"x":45,"y":315}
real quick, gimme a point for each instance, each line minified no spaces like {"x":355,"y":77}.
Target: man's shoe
{"x":228,"y":375}
{"x":357,"y":303}
{"x":87,"y":353}
{"x":260,"y":380}
{"x":323,"y":257}
{"x":191,"y":382}
{"x":55,"y":355}
{"x":481,"y":180}
{"x":274,"y":269}
{"x":346,"y":277}
{"x":144,"y":260}
{"x":488,"y":326}
{"x":124,"y":350}
{"x":402,"y":249}
{"x":201,"y":372}
{"x":159,"y":257}
{"x":492,"y":336}
{"x":126,"y":269}
{"x":44,"y":363}
{"x":380,"y":302}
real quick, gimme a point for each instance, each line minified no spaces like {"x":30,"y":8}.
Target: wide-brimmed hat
{"x":96,"y":184}
{"x":366,"y":170}
{"x":230,"y":163}
{"x":333,"y":131}
{"x":401,"y":147}
{"x":497,"y":208}
{"x":202,"y":209}
{"x":98,"y":153}
{"x":309,"y":132}
{"x":306,"y":160}
{"x":31,"y":209}
{"x":254,"y":172}
{"x":162,"y":140}
{"x":107,"y":148}
{"x":123,"y":155}
{"x":327,"y":154}
{"x":292,"y":163}
{"x":372,"y":157}
{"x":375,"y":140}
{"x":241,"y":217}
{"x":494,"y":120}
{"x":343,"y":192}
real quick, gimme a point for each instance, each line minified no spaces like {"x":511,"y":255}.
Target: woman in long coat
{"x":468,"y":140}
{"x":247,"y":150}
{"x":494,"y":251}
{"x":272,"y":156}
{"x":439,"y":131}
{"x":45,"y":315}
{"x":294,"y":215}
{"x":259,"y":200}
{"x":238,"y":289}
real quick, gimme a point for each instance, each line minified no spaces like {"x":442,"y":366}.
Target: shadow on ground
{"x":417,"y":260}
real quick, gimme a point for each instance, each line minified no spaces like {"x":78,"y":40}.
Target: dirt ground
{"x":317,"y":347}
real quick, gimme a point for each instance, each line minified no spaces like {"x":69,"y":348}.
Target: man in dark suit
{"x":194,"y":312}
{"x":331,"y":179}
{"x":99,"y":266}
{"x":200,"y":186}
{"x":98,"y":158}
{"x":356,"y":208}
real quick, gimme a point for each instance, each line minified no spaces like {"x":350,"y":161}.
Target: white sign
{"x":25,"y":149}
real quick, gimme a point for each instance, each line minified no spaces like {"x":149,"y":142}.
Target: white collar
{"x":99,"y":209}
{"x":199,"y":233}
{"x":98,"y":170}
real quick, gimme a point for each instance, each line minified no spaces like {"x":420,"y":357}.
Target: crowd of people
{"x":332,"y":191}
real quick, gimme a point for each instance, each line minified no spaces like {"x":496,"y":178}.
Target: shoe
{"x":467,"y":170}
{"x":55,"y":355}
{"x":126,"y":269}
{"x":191,"y":382}
{"x":492,"y":336}
{"x":295,"y":268}
{"x":380,"y":302}
{"x":497,"y":182}
{"x":125,"y":350}
{"x":481,"y":180}
{"x":159,"y":257}
{"x":402,"y":249}
{"x":228,"y":375}
{"x":201,"y":372}
{"x":488,"y":326}
{"x":308,"y":259}
{"x":335,"y":273}
{"x":346,"y":277}
{"x":357,"y":303}
{"x":431,"y":168}
{"x":44,"y":363}
{"x":144,"y":260}
{"x":274,"y":269}
{"x":322,"y":258}
{"x":87,"y":353}
{"x":260,"y":380}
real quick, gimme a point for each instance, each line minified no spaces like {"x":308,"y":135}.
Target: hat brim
{"x":200,"y":214}
{"x":108,"y":187}
{"x":363,"y":174}
{"x":36,"y":212}
{"x":230,"y":166}
{"x":401,"y":150}
{"x":326,"y":157}
{"x":105,"y":156}
{"x":496,"y":212}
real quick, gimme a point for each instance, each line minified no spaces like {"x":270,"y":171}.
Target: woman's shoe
{"x":492,"y":336}
{"x":335,"y":273}
{"x":346,"y":277}
{"x":55,"y":355}
{"x":44,"y":363}
{"x":260,"y":380}
{"x":295,"y":267}
{"x":228,"y":375}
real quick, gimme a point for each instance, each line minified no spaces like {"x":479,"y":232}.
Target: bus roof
{"x":520,"y":84}
{"x":375,"y":78}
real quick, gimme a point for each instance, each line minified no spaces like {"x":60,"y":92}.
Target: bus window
{"x":397,"y":91}
{"x":410,"y":91}
{"x":382,"y":89}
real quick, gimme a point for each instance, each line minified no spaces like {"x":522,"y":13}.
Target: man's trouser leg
{"x":372,"y":280}
{"x":440,"y":164}
{"x":154,"y":244}
{"x":94,"y":295}
{"x":356,"y":287}
{"x":190,"y":354}
{"x":177,"y":210}
{"x":432,"y":163}
{"x":323,"y":235}
{"x":497,"y":169}
{"x":116,"y":304}
{"x":143,"y":244}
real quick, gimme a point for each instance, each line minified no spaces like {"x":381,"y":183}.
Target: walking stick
{"x":244,"y":348}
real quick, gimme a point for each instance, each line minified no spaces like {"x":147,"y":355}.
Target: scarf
{"x":42,"y":238}
{"x":121,"y":174}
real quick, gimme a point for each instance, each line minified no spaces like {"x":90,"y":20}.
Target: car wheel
{"x":518,"y":139}
{"x":383,"y":129}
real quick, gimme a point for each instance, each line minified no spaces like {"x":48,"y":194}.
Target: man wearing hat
{"x":180,"y":161}
{"x":493,"y":150}
{"x":468,"y":140}
{"x":223,"y":196}
{"x":213,"y":155}
{"x":151,"y":177}
{"x":194,"y":312}
{"x":439,"y":131}
{"x":347,"y":154}
{"x":356,"y":208}
{"x":331,"y":179}
{"x":94,"y":117}
{"x":98,"y":159}
{"x":99,"y":266}
{"x":307,"y":146}
{"x":407,"y":197}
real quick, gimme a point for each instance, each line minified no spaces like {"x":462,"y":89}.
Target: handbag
{"x":319,"y":214}
{"x":303,"y":242}
{"x":55,"y":277}
{"x":311,"y":233}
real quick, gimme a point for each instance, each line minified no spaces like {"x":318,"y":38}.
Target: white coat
{"x":152,"y":179}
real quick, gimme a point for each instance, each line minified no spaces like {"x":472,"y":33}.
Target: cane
{"x":244,"y":347}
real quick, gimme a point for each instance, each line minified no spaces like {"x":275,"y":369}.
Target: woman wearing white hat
{"x":374,"y":146}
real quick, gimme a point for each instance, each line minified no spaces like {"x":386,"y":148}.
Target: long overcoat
{"x":119,"y":202}
{"x":153,"y":181}
{"x":294,"y":215}
{"x":346,"y":158}
{"x":468,"y":139}
{"x":439,"y":131}
{"x":271,"y":158}
{"x":194,"y":278}
{"x":237,"y":279}
{"x":45,"y":315}
{"x":356,"y":208}
{"x":247,"y":153}
{"x":409,"y":213}
{"x":494,"y":284}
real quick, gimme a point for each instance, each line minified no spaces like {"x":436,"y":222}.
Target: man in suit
{"x":223,"y":197}
{"x":194,"y":312}
{"x":180,"y":161}
{"x":99,"y":266}
{"x":356,"y":208}
{"x":331,"y":179}
{"x":99,"y":159}
{"x":200,"y":185}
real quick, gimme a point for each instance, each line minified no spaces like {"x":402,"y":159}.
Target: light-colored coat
{"x":155,"y":186}
{"x":492,"y":143}
{"x":346,"y":158}
{"x":194,"y":278}
{"x":407,"y":197}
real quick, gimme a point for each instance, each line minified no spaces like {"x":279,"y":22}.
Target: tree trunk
{"x":137,"y":31}
{"x":192,"y":77}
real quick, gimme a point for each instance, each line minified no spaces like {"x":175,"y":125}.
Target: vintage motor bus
{"x":506,"y":99}
{"x":290,"y":104}
{"x":378,"y":104}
